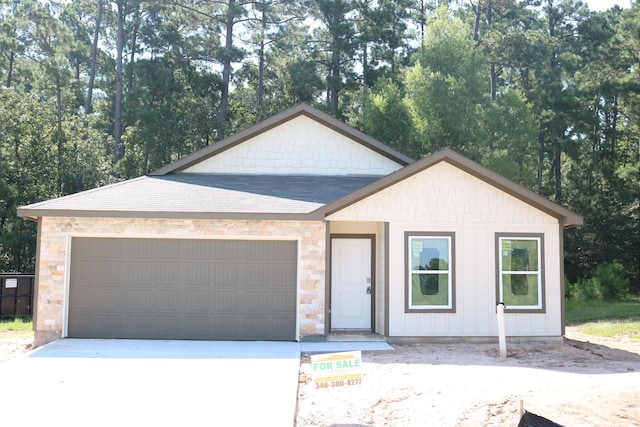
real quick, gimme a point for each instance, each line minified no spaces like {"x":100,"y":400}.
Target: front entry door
{"x":351,"y":283}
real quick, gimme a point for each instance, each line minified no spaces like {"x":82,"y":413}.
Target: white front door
{"x":351,"y":283}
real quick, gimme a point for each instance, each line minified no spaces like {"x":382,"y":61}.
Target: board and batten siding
{"x":300,"y":146}
{"x":444,"y":198}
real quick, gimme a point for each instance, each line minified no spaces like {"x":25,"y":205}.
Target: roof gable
{"x":322,"y":143}
{"x":566,"y":217}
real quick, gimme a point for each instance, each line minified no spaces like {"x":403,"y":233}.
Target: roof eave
{"x":33,"y":218}
{"x":34,"y":214}
{"x":573,"y":221}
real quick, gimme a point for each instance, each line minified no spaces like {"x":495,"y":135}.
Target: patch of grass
{"x":617,"y":329}
{"x":610,"y":319}
{"x":17,"y":324}
{"x":587,"y":311}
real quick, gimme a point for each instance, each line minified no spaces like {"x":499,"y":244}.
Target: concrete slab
{"x":138,"y":382}
{"x":338,"y":346}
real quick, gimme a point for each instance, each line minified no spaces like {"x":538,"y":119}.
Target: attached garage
{"x":199,"y":289}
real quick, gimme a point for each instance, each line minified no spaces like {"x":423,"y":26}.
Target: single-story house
{"x":294,"y":228}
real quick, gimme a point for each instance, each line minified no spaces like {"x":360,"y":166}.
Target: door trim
{"x":372,"y":240}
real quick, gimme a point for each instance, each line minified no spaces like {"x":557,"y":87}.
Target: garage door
{"x":182,"y":289}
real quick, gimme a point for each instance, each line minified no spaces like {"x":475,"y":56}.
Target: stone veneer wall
{"x":53,"y":258}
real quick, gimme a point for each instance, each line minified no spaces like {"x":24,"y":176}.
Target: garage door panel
{"x":254,"y":274}
{"x":282,"y":300}
{"x":142,"y":272}
{"x":141,"y":299}
{"x":90,"y":321}
{"x":182,"y":289}
{"x":267,"y":302}
{"x":98,"y":271}
{"x":257,"y":326}
{"x":198,"y":300}
{"x":225,"y":274}
{"x":196,"y":274}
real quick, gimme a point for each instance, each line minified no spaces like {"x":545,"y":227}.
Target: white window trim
{"x":410,"y":236}
{"x":539,"y":272}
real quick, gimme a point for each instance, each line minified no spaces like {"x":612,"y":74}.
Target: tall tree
{"x":88,"y":108}
{"x":13,"y":37}
{"x":387,"y":118}
{"x":446,"y":89}
{"x":335,"y":48}
{"x":118,"y":148}
{"x":51,"y":49}
{"x":604,"y":168}
{"x":273,"y":35}
{"x":29,"y":175}
{"x":382,"y":36}
{"x":226,"y":15}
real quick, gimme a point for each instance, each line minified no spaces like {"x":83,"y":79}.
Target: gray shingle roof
{"x":206,"y":194}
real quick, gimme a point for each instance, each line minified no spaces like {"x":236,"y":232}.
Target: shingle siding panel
{"x":442,"y":194}
{"x":300,"y":146}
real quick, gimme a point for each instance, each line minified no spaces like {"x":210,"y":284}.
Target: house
{"x":294,"y":228}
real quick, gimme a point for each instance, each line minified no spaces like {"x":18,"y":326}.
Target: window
{"x":430,"y":277}
{"x":520,"y":275}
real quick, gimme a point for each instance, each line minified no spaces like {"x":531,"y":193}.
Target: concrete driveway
{"x":76,"y":382}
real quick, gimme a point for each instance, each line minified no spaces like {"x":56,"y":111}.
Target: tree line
{"x":545,"y":92}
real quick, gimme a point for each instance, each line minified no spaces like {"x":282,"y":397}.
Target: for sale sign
{"x":337,"y":369}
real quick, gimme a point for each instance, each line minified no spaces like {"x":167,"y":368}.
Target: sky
{"x":601,"y":5}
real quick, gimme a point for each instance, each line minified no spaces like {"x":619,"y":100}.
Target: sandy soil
{"x":13,"y":344}
{"x":587,"y":381}
{"x":584,"y":382}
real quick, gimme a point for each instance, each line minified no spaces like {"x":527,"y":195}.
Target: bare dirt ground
{"x":13,"y":344}
{"x":586,"y":381}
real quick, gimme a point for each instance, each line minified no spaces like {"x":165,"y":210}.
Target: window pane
{"x":429,"y":289}
{"x":429,"y":264}
{"x":519,"y":255}
{"x":520,"y":289}
{"x":429,"y":254}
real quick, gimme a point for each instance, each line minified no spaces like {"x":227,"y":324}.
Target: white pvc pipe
{"x":502,"y":339}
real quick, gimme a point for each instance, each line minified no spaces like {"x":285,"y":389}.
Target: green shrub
{"x":613,"y":280}
{"x":584,"y":290}
{"x":570,"y":290}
